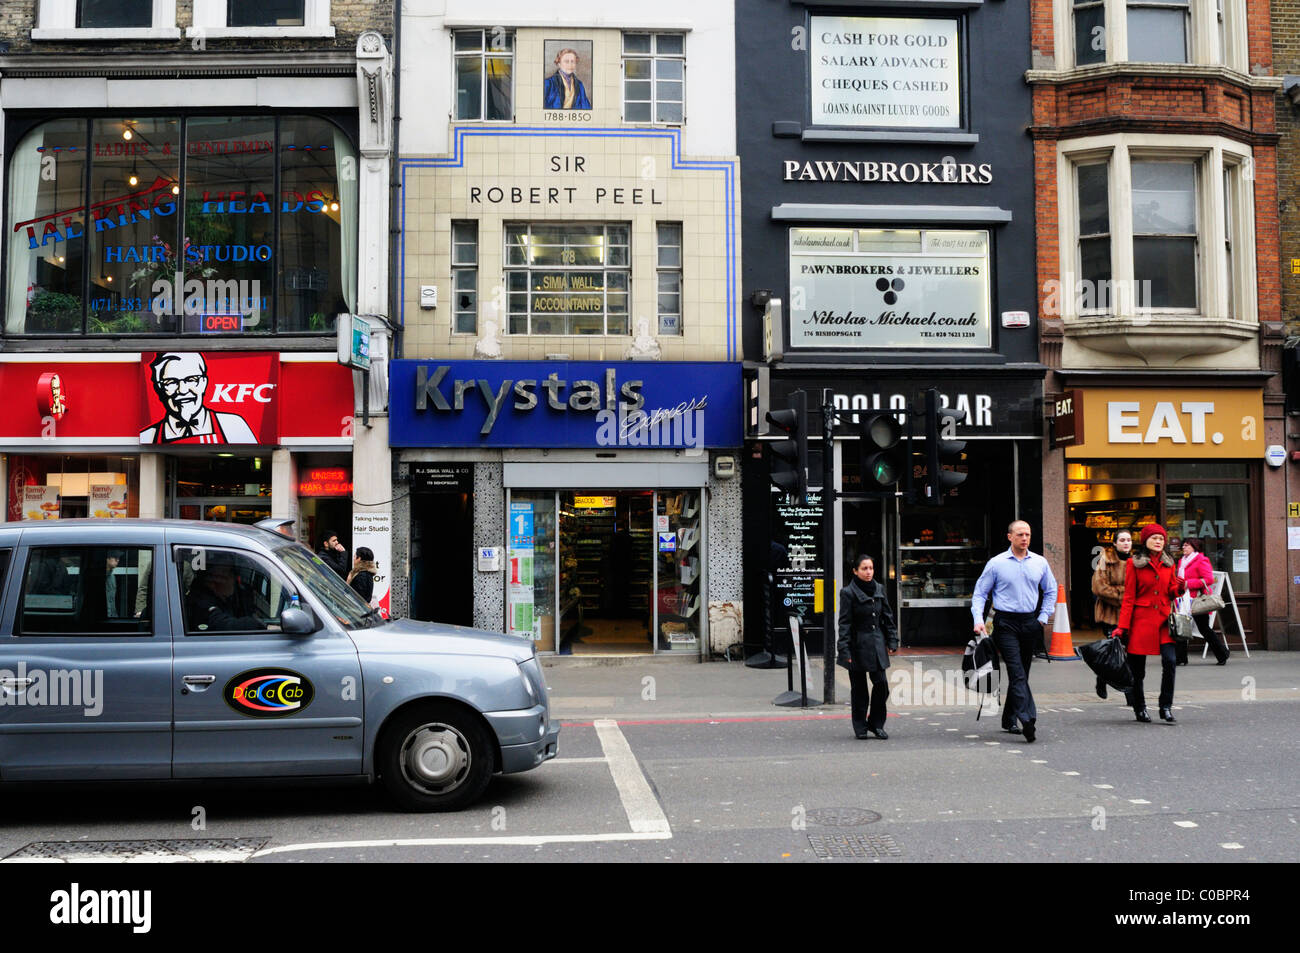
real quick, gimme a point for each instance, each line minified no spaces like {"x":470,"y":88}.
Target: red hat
{"x":1152,"y":529}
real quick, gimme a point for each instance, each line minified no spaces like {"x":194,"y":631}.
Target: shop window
{"x":568,"y":279}
{"x":1182,"y":244}
{"x":464,"y":276}
{"x":101,"y":251}
{"x":265,"y":12}
{"x":87,"y":590}
{"x":669,"y":275}
{"x":530,"y":569}
{"x":654,"y":77}
{"x":484,"y":74}
{"x":71,"y":487}
{"x":1153,"y":31}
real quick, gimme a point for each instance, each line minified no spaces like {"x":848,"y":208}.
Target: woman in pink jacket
{"x":1196,"y":570}
{"x":1151,"y":585}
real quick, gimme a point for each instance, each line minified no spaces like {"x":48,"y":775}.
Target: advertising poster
{"x":375,"y":530}
{"x":519,"y":566}
{"x":40,"y":502}
{"x":108,"y":501}
{"x":797,"y":559}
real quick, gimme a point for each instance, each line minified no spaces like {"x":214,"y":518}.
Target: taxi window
{"x":228,"y":592}
{"x":87,"y":590}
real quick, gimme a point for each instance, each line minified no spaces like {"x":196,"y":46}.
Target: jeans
{"x":1017,"y":635}
{"x":858,"y":699}
{"x":1137,"y":664}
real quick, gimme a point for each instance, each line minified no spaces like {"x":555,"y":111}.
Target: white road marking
{"x":1232,"y":845}
{"x":529,"y":840}
{"x":577,"y":761}
{"x":642,"y":807}
{"x":1039,"y":761}
{"x":1073,"y":774}
{"x":993,"y":742}
{"x":1186,"y":824}
{"x":1138,"y":800}
{"x":970,"y":736}
{"x":1105,"y":787}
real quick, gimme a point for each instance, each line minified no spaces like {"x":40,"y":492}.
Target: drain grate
{"x":842,"y":817}
{"x":170,"y":850}
{"x":854,"y":845}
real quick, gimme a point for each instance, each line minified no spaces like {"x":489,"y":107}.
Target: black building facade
{"x":888,"y":234}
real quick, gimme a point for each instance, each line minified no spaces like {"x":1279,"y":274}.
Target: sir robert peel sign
{"x":565,"y":404}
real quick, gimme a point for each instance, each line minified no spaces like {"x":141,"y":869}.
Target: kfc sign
{"x":211,"y":398}
{"x":51,"y":398}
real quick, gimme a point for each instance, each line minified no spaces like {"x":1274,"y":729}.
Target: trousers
{"x":860,"y":695}
{"x":1137,"y":664}
{"x":1017,"y":635}
{"x":1217,"y":644}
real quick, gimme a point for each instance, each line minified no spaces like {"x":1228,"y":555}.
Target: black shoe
{"x":1142,"y":715}
{"x":1168,"y":715}
{"x":1013,"y":730}
{"x":861,"y":735}
{"x":1101,"y":688}
{"x":1030,"y":730}
{"x":880,"y":733}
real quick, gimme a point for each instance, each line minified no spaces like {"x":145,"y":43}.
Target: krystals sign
{"x":588,"y":404}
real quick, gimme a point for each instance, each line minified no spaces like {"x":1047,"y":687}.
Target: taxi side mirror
{"x":296,"y":622}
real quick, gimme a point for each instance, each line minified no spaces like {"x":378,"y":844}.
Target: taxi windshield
{"x":325,"y":584}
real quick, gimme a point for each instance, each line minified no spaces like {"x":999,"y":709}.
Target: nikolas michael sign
{"x":883,"y":288}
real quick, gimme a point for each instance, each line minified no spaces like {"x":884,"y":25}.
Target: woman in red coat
{"x":1196,"y":569}
{"x":1151,"y":585}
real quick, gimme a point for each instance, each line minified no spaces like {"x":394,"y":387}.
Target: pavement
{"x":651,"y":688}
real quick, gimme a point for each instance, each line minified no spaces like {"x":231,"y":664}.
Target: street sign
{"x":354,"y":341}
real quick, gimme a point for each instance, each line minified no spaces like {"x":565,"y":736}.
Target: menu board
{"x":40,"y":502}
{"x":798,"y":531}
{"x":108,"y":501}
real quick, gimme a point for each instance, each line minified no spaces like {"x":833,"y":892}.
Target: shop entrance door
{"x":607,"y":551}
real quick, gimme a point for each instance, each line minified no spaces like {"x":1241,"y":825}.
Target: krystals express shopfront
{"x":593,"y":507}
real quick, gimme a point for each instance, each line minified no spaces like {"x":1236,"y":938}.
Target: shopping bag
{"x":1109,"y":661}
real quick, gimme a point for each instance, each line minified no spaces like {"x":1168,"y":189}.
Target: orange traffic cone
{"x":1062,"y":647}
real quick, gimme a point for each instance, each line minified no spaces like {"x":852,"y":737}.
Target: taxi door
{"x":250,"y":700}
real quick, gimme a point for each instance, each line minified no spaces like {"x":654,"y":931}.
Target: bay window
{"x":173,"y":224}
{"x":1181,"y":243}
{"x":1206,"y":32}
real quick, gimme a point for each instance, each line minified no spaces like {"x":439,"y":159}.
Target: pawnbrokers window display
{"x":883,"y":288}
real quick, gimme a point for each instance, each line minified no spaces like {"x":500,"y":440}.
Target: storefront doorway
{"x":222,"y":488}
{"x":606,"y":572}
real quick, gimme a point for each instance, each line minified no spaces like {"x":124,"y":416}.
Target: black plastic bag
{"x":1109,"y":661}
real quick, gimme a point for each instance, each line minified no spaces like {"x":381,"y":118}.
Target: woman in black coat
{"x":867,"y":638}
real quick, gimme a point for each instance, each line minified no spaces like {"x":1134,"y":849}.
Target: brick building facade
{"x":1156,"y":162}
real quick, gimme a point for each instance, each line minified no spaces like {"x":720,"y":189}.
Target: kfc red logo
{"x":180,"y":380}
{"x":51,"y":398}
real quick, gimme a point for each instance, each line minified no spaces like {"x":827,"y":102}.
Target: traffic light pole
{"x":830,"y":629}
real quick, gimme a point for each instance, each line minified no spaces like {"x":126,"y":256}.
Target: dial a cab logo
{"x":269,"y":693}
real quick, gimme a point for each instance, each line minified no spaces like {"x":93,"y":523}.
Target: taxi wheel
{"x":435,"y":758}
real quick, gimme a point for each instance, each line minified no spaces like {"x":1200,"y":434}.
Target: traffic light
{"x":882,"y":455}
{"x":940,"y":422}
{"x":788,"y":464}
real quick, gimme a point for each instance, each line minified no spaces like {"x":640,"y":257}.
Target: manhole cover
{"x":854,"y":845}
{"x":842,"y":817}
{"x":171,"y":850}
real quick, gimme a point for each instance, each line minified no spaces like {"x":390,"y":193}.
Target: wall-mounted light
{"x":176,"y":189}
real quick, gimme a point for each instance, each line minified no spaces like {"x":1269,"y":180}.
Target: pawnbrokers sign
{"x":885,"y":71}
{"x":873,"y":288}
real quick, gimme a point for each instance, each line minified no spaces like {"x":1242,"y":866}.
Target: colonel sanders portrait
{"x":181,"y":382}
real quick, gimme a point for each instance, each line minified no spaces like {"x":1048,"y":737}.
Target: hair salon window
{"x":172,"y":225}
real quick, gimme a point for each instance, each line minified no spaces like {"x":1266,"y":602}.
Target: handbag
{"x":1181,"y":626}
{"x":1206,"y":602}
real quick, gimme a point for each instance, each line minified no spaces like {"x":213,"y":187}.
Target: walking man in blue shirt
{"x":1023,"y":591}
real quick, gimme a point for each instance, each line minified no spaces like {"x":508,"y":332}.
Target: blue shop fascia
{"x":591,"y":506}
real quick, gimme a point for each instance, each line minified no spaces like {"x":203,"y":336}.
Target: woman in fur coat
{"x":1151,"y":585}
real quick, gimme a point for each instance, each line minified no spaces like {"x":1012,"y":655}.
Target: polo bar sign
{"x":885,"y":71}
